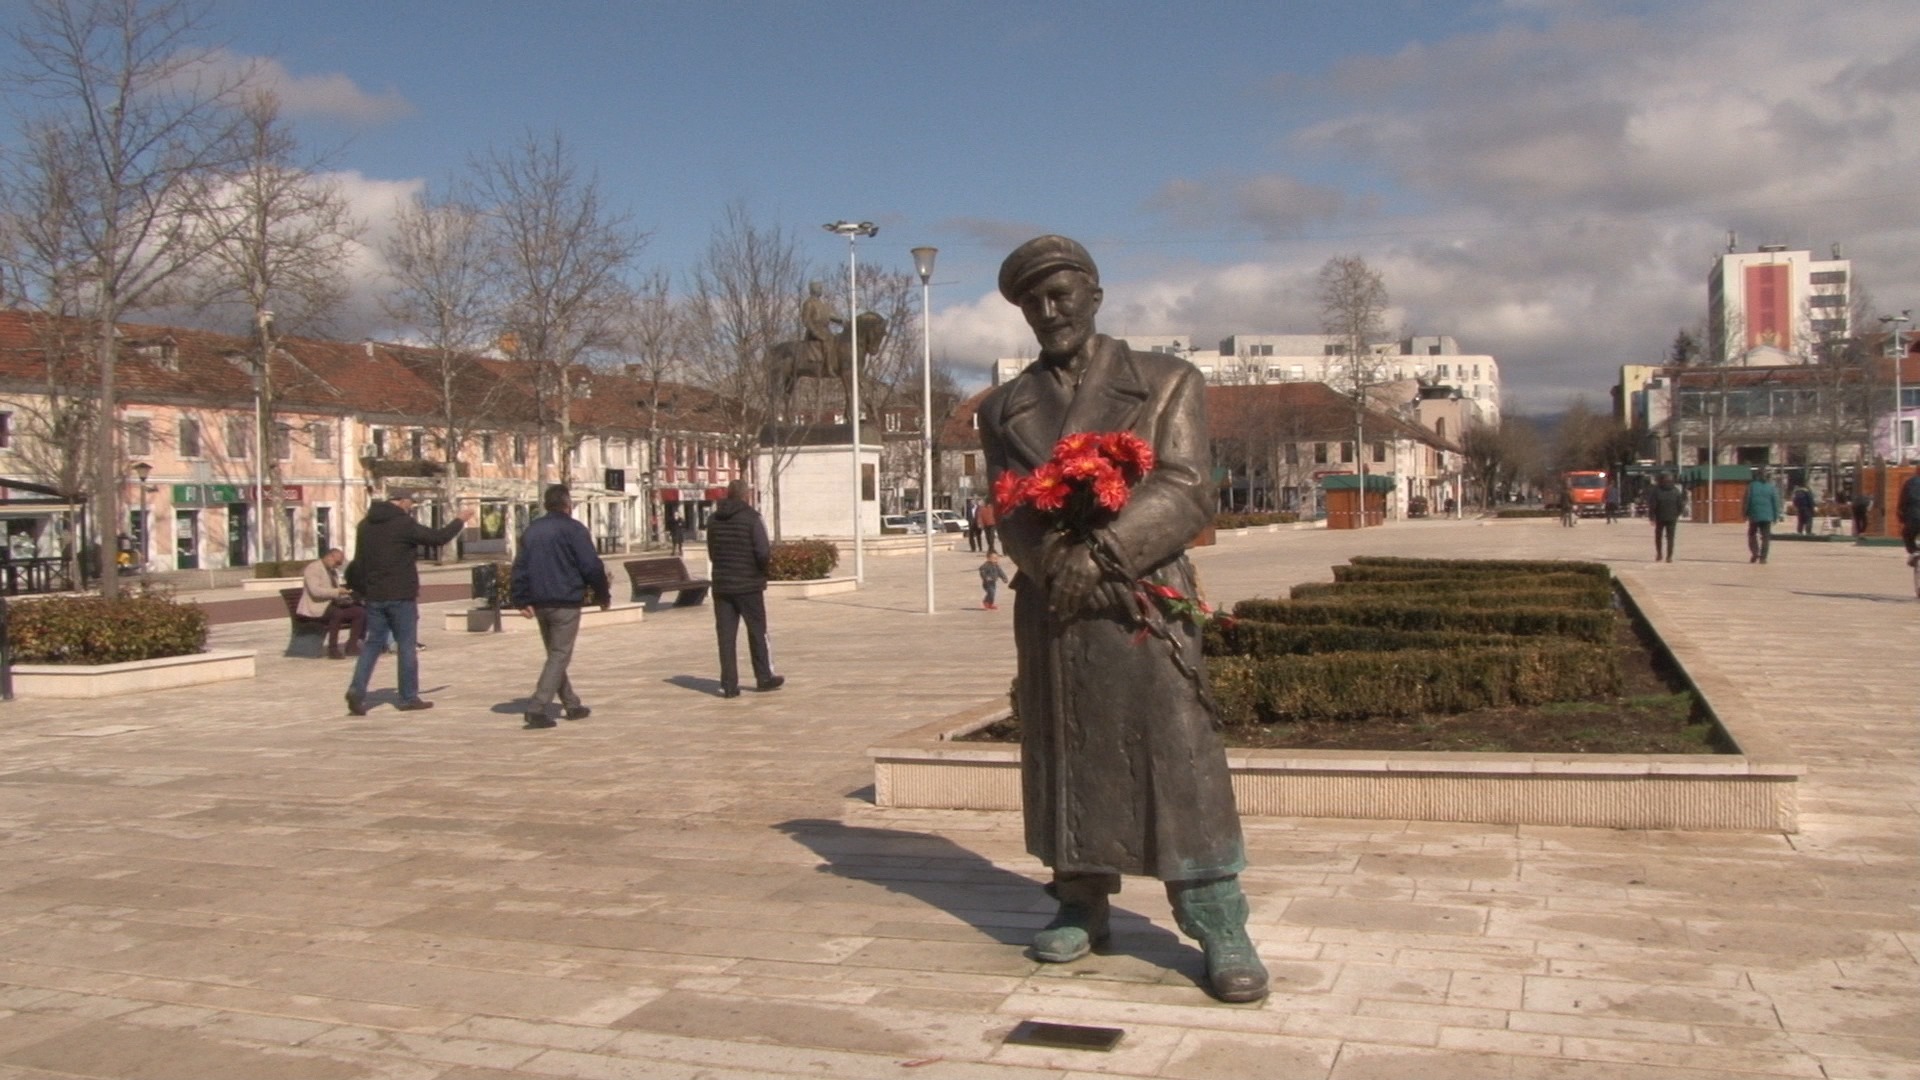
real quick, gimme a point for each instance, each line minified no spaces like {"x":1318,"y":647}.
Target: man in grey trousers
{"x":556,"y":573}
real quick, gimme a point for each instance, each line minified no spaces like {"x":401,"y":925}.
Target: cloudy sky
{"x":1546,"y":181}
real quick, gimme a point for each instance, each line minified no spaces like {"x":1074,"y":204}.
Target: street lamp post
{"x":1894,"y":322}
{"x":853,"y":230}
{"x":142,"y":470}
{"x":923,"y":265}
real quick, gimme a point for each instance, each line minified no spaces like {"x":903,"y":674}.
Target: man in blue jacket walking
{"x":1762,"y":509}
{"x":555,"y":574}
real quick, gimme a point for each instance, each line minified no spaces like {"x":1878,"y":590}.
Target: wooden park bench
{"x":309,"y":637}
{"x":667,"y":574}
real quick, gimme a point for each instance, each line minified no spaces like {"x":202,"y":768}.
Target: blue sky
{"x":1546,"y":181}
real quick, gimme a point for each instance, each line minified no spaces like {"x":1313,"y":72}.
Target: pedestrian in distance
{"x":989,"y":525}
{"x":384,"y":575}
{"x":676,"y":532}
{"x":1610,"y":502}
{"x":323,"y":597}
{"x":991,"y":575}
{"x":555,"y":574}
{"x":1802,"y":501}
{"x":1762,"y":509}
{"x":739,"y":551}
{"x":1665,"y":503}
{"x":1861,"y":504}
{"x":973,"y":526}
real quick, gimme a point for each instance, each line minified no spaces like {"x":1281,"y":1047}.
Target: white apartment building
{"x":1259,"y":359}
{"x":1771,"y":307}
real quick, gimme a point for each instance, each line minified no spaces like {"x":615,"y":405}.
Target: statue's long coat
{"x":1122,"y":765}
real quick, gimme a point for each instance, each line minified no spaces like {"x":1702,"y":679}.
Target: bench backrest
{"x":666,"y":568}
{"x":292,"y":597}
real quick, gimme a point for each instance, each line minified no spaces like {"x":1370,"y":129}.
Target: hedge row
{"x":1248,"y":521}
{"x":1358,"y":685}
{"x":1486,"y":566}
{"x":802,"y":560}
{"x":1455,"y":585}
{"x":97,"y":630}
{"x":1586,"y":625}
{"x":1572,"y":599}
{"x":1246,"y":637}
{"x":1482,"y":578}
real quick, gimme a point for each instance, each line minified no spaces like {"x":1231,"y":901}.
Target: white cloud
{"x":327,"y":96}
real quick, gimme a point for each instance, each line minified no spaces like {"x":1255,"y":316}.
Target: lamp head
{"x":923,"y":262}
{"x":851,"y":229}
{"x":141,"y":469}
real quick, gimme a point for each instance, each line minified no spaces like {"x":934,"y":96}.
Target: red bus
{"x":1587,"y":489}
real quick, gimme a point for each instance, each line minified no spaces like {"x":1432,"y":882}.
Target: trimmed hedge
{"x":1354,"y":686}
{"x":1481,"y":578}
{"x":1586,"y":625}
{"x":283,"y":568}
{"x":97,"y":630}
{"x":1247,"y":637}
{"x":1484,"y":566}
{"x":1513,"y":513}
{"x":802,"y":560}
{"x":1477,"y":597}
{"x":1249,"y":521}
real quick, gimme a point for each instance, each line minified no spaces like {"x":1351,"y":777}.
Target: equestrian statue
{"x":822,"y":353}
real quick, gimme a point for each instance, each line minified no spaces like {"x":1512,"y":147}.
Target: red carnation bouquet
{"x":1086,"y":483}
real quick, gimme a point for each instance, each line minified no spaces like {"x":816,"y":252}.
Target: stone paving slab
{"x":242,"y":881}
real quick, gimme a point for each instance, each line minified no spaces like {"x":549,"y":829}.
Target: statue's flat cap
{"x":1039,"y":257}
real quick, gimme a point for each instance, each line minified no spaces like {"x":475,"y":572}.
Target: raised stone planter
{"x":1752,"y":790}
{"x":271,"y":584}
{"x":480,"y":620}
{"x":131,"y":677}
{"x":817,"y":587}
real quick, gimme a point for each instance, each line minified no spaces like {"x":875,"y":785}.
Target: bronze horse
{"x":788,"y":361}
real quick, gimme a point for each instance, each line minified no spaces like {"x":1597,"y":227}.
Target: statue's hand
{"x":1072,"y":577}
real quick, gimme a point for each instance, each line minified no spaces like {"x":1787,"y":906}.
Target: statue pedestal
{"x":815,"y":496}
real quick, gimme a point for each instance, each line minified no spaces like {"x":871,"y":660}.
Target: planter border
{"x":804,"y":590}
{"x":72,"y":681}
{"x":480,"y":620}
{"x":1752,"y":789}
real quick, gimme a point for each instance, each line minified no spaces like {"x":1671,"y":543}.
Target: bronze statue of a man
{"x":817,"y":319}
{"x":1122,"y":769}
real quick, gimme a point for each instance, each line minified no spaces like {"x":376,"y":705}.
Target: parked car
{"x":901,"y":523}
{"x":949,"y":521}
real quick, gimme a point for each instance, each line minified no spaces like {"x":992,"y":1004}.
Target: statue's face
{"x":1060,"y":308}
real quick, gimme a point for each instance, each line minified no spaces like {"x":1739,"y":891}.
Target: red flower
{"x":1076,"y":445}
{"x":1128,"y":451}
{"x":1110,"y":488}
{"x":1046,"y":488}
{"x":1086,"y":465}
{"x":1009,"y":491}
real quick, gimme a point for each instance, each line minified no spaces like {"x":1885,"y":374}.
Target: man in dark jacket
{"x":1664,"y":505}
{"x":738,"y":548}
{"x":1122,"y":766}
{"x":555,"y":573}
{"x":385,"y":547}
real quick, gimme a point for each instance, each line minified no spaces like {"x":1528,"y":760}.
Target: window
{"x":321,"y":435}
{"x":1827,"y":300}
{"x":546,"y":450}
{"x":1439,"y":371}
{"x":893,"y":420}
{"x":968,"y":466}
{"x":1293,"y":453}
{"x":1379,"y":452}
{"x":239,"y":439}
{"x":1440,"y":426}
{"x":139,"y":437}
{"x":187,"y":433}
{"x":1476,"y":373}
{"x":1319,"y":453}
{"x":519,"y":449}
{"x":282,"y":442}
{"x":1433,"y":350}
{"x":417,"y":445}
{"x":6,"y":429}
{"x":486,"y":449}
{"x":1827,"y":277}
{"x":1346,"y":453}
{"x":679,"y":454}
{"x":379,"y":442}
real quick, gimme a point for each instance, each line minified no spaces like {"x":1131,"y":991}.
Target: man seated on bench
{"x":324,"y":599}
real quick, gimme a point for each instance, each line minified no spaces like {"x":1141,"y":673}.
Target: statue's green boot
{"x":1082,"y":920}
{"x":1215,"y":913}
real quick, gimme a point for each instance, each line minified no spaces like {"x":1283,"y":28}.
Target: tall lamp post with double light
{"x":1893,"y":324}
{"x":853,"y":230}
{"x":923,"y":265}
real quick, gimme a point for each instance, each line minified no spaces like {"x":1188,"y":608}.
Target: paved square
{"x":243,"y":882}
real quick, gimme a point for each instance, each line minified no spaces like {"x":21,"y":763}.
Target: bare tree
{"x":562,"y":257}
{"x":654,"y":341}
{"x":1353,"y":305}
{"x":438,"y":258}
{"x":135,"y":124}
{"x":743,"y":296}
{"x":283,"y":237}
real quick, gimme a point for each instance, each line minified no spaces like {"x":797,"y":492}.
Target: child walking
{"x":991,"y":575}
